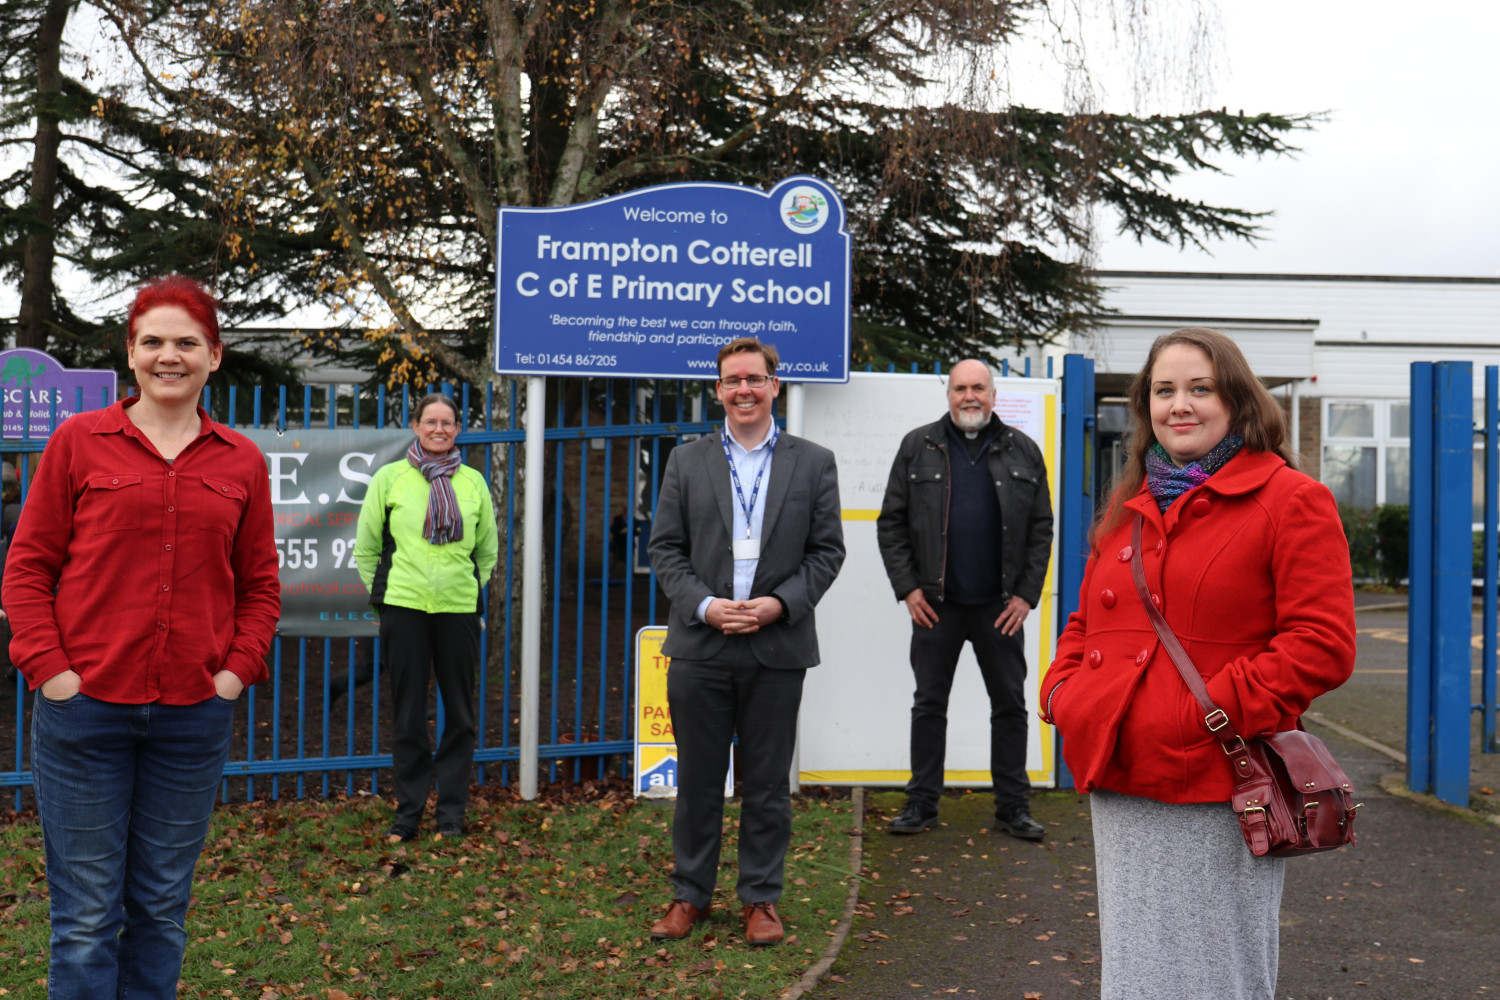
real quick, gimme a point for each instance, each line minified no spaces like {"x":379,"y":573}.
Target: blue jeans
{"x":125,"y":793}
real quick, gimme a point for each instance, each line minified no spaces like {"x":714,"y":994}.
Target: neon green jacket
{"x":401,"y":567}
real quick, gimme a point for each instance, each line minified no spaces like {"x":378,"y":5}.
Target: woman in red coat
{"x":1248,"y":560}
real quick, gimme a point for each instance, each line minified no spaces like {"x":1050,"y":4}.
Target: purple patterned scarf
{"x":444,"y":522}
{"x":1167,"y":482}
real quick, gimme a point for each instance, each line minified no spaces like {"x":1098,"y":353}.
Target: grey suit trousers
{"x":710,"y":704}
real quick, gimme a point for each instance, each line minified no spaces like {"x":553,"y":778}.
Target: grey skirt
{"x":1185,"y":911}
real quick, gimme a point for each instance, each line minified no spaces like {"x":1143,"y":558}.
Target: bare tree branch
{"x":417,"y":340}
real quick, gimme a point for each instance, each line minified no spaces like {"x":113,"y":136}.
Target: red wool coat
{"x":1253,"y":571}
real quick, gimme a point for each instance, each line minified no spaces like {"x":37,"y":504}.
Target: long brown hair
{"x":1254,"y":414}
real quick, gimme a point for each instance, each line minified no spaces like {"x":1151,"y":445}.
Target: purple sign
{"x":34,"y":383}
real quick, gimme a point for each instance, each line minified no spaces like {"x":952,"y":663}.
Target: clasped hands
{"x":742,"y":617}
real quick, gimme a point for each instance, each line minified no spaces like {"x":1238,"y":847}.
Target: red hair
{"x":182,"y":292}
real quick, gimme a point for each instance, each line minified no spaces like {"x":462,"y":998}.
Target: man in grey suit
{"x":747,"y":538}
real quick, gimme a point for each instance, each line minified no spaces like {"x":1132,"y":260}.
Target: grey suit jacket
{"x":801,"y":550}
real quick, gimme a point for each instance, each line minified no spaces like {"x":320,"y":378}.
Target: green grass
{"x":541,"y":900}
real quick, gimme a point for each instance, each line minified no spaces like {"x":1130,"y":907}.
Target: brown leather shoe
{"x":678,"y":921}
{"x":762,"y":925}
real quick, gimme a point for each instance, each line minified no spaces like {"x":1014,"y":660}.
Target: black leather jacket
{"x":913,"y":525}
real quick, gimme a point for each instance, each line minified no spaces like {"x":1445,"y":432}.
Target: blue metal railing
{"x":604,"y":467}
{"x":1439,"y":699}
{"x":292,"y":727}
{"x":1487,"y":706}
{"x":1076,"y":499}
{"x":1419,"y":594}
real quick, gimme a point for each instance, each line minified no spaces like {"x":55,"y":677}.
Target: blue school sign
{"x":652,"y":283}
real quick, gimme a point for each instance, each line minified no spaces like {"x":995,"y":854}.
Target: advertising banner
{"x":653,"y":282}
{"x":36,"y":386}
{"x":318,"y":481}
{"x":655,"y":748}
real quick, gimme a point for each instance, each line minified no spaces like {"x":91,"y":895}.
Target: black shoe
{"x":1018,"y":823}
{"x":400,"y":833}
{"x":450,"y":831}
{"x":914,"y":818}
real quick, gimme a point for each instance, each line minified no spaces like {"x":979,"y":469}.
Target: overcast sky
{"x":1404,"y":178}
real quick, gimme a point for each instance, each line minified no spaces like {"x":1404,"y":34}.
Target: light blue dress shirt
{"x":748,"y":464}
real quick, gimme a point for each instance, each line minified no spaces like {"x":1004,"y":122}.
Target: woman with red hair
{"x":142,"y":590}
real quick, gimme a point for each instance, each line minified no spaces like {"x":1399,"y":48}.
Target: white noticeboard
{"x":856,"y":706}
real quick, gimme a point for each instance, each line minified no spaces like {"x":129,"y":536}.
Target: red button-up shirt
{"x":144,"y":576}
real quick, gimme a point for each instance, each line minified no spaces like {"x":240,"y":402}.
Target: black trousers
{"x":710,"y":703}
{"x":414,"y":646}
{"x":1002,"y":664}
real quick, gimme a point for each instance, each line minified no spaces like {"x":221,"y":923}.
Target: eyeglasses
{"x":437,"y":425}
{"x":733,"y":382}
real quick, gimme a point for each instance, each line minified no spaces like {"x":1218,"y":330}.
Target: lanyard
{"x":734,"y":474}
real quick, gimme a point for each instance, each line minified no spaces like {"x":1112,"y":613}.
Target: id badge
{"x":746,"y":548}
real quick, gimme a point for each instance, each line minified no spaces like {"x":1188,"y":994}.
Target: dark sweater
{"x":973,"y":570}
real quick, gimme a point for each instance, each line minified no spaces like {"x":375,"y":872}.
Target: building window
{"x":1349,"y":470}
{"x":1350,"y":420}
{"x":1367,"y":450}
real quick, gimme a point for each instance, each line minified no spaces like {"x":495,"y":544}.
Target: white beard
{"x":971,"y":420}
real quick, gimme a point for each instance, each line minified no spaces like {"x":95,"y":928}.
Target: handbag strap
{"x":1214,"y":717}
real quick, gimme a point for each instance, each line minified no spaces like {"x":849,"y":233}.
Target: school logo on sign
{"x":803,"y":209}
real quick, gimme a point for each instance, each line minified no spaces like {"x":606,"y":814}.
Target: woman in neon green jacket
{"x":427,"y":542}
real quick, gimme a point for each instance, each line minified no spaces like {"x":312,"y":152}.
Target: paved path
{"x":1413,"y":911}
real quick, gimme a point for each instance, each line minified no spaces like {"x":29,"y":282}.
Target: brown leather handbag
{"x":1290,"y":795}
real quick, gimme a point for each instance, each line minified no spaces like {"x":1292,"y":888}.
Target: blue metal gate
{"x":1440,"y":706}
{"x":319,"y":714}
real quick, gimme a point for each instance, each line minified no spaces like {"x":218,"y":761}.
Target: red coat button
{"x":1126,"y":553}
{"x":1095,"y":658}
{"x":1201,"y":507}
{"x":1107,"y":598}
{"x":1158,"y":545}
{"x":1156,"y":600}
{"x":1143,"y":656}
